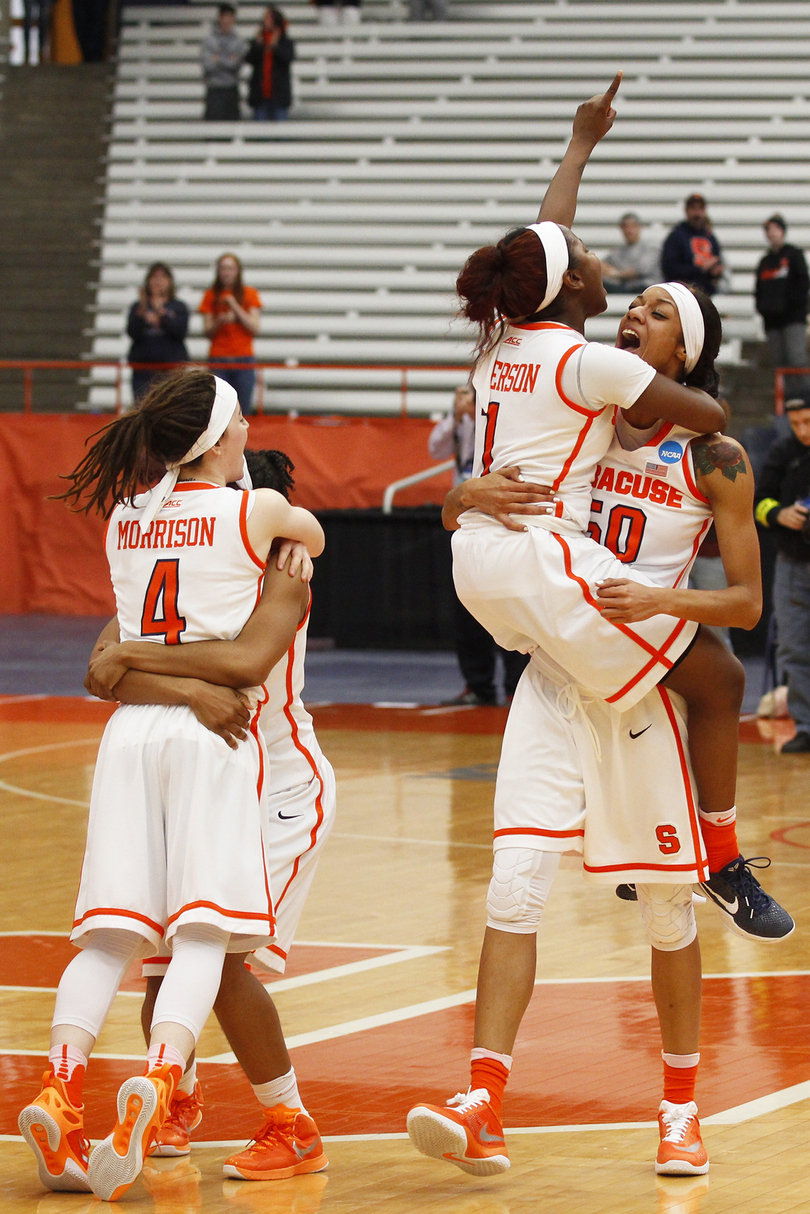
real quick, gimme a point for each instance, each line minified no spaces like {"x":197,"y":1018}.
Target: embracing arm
{"x":272,"y":516}
{"x":725,"y":479}
{"x":592,"y":121}
{"x":665,"y":400}
{"x":499,"y":494}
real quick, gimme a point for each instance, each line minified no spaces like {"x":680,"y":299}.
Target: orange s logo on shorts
{"x":668,"y":842}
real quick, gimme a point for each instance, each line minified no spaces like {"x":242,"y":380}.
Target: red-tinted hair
{"x":506,"y":279}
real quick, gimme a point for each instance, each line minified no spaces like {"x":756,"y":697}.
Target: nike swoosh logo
{"x":487,"y":1137}
{"x":695,"y":1147}
{"x":316,"y":1145}
{"x":289,"y":817}
{"x":730,"y":908}
{"x":641,"y":731}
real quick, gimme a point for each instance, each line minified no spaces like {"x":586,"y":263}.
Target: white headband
{"x":555,"y":247}
{"x":692,"y":326}
{"x":222,"y":410}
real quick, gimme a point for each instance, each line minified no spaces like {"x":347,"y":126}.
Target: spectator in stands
{"x":691,"y":252}
{"x":157,"y":324}
{"x":783,"y":504}
{"x":231,"y":313}
{"x":332,"y":11}
{"x":270,"y":54}
{"x":422,"y":10}
{"x":222,"y":54}
{"x":454,"y":438}
{"x":633,"y":266}
{"x":781,"y":297}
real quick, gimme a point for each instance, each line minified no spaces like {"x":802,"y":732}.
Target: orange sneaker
{"x":288,"y":1144}
{"x":185,"y":1114}
{"x":53,"y":1127}
{"x":681,"y":1151}
{"x":142,"y":1104}
{"x":466,"y":1133}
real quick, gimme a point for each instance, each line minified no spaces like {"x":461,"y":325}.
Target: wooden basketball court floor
{"x":377,"y":1002}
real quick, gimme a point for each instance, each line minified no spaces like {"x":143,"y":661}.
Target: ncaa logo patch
{"x":670,"y":452}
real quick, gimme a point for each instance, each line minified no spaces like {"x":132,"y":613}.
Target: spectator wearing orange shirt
{"x":231,"y":313}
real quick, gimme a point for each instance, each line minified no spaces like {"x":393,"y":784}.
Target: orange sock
{"x":490,"y":1074}
{"x":720,"y":836}
{"x":679,"y":1080}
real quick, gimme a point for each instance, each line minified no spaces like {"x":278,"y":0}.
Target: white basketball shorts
{"x":564,"y":755}
{"x":536,"y":589}
{"x":175,"y":833}
{"x":300,"y":820}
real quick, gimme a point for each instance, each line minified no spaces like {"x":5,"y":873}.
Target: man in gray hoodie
{"x":222,"y":53}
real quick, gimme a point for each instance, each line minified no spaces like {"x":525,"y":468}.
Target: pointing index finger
{"x":613,"y":88}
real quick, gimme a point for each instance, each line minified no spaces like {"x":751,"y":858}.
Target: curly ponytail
{"x":503,"y":280}
{"x":133,"y":451}
{"x":270,"y":469}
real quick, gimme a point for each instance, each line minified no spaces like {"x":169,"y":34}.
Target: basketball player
{"x":471,"y":1135}
{"x":553,"y":765}
{"x":300,"y":807}
{"x":175,"y":846}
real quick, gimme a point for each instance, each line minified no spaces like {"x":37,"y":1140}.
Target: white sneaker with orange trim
{"x":681,"y":1151}
{"x":467,"y":1132}
{"x":185,"y":1114}
{"x":142,"y":1105}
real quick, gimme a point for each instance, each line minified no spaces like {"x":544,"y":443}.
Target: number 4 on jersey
{"x":160,"y":617}
{"x":489,"y":434}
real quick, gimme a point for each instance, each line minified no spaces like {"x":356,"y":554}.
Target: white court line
{"x":366,"y":1022}
{"x":354,"y":967}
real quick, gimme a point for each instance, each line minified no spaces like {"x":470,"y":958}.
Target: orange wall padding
{"x":52,"y":560}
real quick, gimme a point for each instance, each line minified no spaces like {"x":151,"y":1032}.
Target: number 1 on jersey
{"x":491,"y":415}
{"x":161,"y":595}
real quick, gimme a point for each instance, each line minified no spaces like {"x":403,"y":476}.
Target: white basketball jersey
{"x":193,"y":576}
{"x":292,"y":749}
{"x":647,"y":508}
{"x":545,"y":402}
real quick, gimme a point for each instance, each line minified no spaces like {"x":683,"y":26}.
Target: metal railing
{"x":415,"y":479}
{"x":122,"y":369}
{"x":780,"y":395}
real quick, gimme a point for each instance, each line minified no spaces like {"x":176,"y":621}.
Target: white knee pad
{"x":520,"y":884}
{"x":668,"y":915}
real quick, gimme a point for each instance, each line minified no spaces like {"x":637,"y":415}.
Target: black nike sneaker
{"x":744,"y":906}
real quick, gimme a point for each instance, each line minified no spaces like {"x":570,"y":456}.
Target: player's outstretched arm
{"x":665,"y":400}
{"x":592,"y":121}
{"x":725,"y":478}
{"x":244,"y":662}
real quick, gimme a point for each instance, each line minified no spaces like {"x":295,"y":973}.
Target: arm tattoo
{"x":726,"y":456}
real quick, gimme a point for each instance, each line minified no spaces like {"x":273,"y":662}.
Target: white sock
{"x":480,"y":1052}
{"x":162,"y":1054}
{"x":189,"y":1079}
{"x":724,"y":818}
{"x":283,"y":1090}
{"x":64,"y":1059}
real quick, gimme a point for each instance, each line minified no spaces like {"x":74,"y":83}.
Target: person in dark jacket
{"x":270,"y":54}
{"x":221,"y":54}
{"x":691,"y":252}
{"x":157,"y":324}
{"x":783,"y":505}
{"x":781,"y":297}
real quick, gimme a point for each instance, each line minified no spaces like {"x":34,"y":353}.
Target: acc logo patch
{"x":513,"y":341}
{"x":670,"y":452}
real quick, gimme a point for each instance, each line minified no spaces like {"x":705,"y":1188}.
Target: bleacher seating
{"x":411,"y":144}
